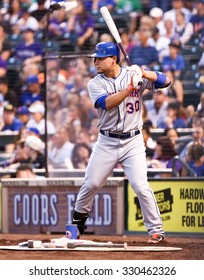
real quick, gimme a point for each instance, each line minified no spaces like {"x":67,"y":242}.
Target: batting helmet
{"x":105,"y":49}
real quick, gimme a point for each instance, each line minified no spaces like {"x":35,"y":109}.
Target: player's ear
{"x":114,"y":58}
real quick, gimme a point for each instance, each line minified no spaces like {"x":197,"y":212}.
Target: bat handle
{"x":125,"y":54}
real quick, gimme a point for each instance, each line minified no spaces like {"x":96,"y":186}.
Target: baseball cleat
{"x":156,"y":238}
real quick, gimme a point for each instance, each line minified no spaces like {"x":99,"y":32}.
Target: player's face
{"x":103,"y":64}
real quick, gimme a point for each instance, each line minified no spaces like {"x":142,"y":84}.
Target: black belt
{"x":120,"y":135}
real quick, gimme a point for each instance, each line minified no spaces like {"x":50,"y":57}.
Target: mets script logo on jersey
{"x":135,"y":93}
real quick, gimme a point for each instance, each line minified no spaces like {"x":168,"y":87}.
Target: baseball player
{"x":116,"y":93}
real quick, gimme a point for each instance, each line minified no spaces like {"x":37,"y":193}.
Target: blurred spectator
{"x":201,"y":69}
{"x":24,"y":132}
{"x":106,"y":37}
{"x":37,"y":111}
{"x":128,"y":6}
{"x":40,"y":11}
{"x":18,"y":155}
{"x":5,"y":46}
{"x":33,"y":69}
{"x":10,"y":122}
{"x":14,"y":37}
{"x":57,"y":25}
{"x":198,"y":133}
{"x":146,"y":120}
{"x":81,"y":24}
{"x":110,"y":4}
{"x":174,"y":117}
{"x":32,"y":92}
{"x":144,"y":54}
{"x":3,"y":67}
{"x":177,"y":5}
{"x":161,"y":43}
{"x":26,"y":21}
{"x":9,"y":94}
{"x":23,"y":114}
{"x":5,"y":51}
{"x":157,"y":108}
{"x":183,"y":30}
{"x":169,"y":29}
{"x":190,"y":5}
{"x":164,"y":156}
{"x":173,"y":136}
{"x":1,"y":105}
{"x":150,"y":144}
{"x":83,"y":136}
{"x":197,"y":19}
{"x":74,"y":117}
{"x":190,"y":111}
{"x":200,"y":106}
{"x":146,"y":23}
{"x":25,"y":171}
{"x":198,"y":136}
{"x":174,"y":61}
{"x":179,"y":142}
{"x":33,"y":131}
{"x":29,"y":51}
{"x":88,"y":112}
{"x":163,"y":5}
{"x":173,"y":65}
{"x":195,"y":159}
{"x":198,"y":119}
{"x":34,"y":148}
{"x":128,"y":42}
{"x":54,"y":103}
{"x":157,"y":15}
{"x":80,"y":155}
{"x":93,"y":131}
{"x":60,"y":148}
{"x":94,"y":6}
{"x":13,"y":13}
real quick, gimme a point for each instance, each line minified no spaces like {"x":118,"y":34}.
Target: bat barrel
{"x":95,"y":245}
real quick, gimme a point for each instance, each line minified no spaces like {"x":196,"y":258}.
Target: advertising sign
{"x":47,"y":205}
{"x":181,"y":205}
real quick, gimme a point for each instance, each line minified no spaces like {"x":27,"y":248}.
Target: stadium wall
{"x":46,"y":206}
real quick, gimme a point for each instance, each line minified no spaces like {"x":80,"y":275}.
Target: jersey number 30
{"x":131,"y":107}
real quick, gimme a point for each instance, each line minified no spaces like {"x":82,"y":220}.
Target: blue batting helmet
{"x":105,"y":49}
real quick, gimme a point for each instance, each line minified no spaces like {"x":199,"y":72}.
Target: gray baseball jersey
{"x":130,"y":152}
{"x":128,"y":115}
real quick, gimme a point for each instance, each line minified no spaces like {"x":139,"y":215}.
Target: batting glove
{"x":136,"y":77}
{"x":135,"y":83}
{"x":136,"y":69}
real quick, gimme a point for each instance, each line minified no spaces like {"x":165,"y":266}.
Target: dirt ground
{"x":192,"y":248}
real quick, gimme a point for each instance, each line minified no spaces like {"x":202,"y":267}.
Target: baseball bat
{"x":96,"y":245}
{"x":114,"y":31}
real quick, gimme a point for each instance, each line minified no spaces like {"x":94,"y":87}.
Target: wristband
{"x":130,"y":88}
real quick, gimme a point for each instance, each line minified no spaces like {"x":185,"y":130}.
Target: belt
{"x":120,"y":135}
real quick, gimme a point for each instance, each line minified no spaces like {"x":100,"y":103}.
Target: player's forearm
{"x":153,"y":77}
{"x":114,"y":100}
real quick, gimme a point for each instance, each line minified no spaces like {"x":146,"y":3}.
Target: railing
{"x":190,"y":172}
{"x":58,"y":173}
